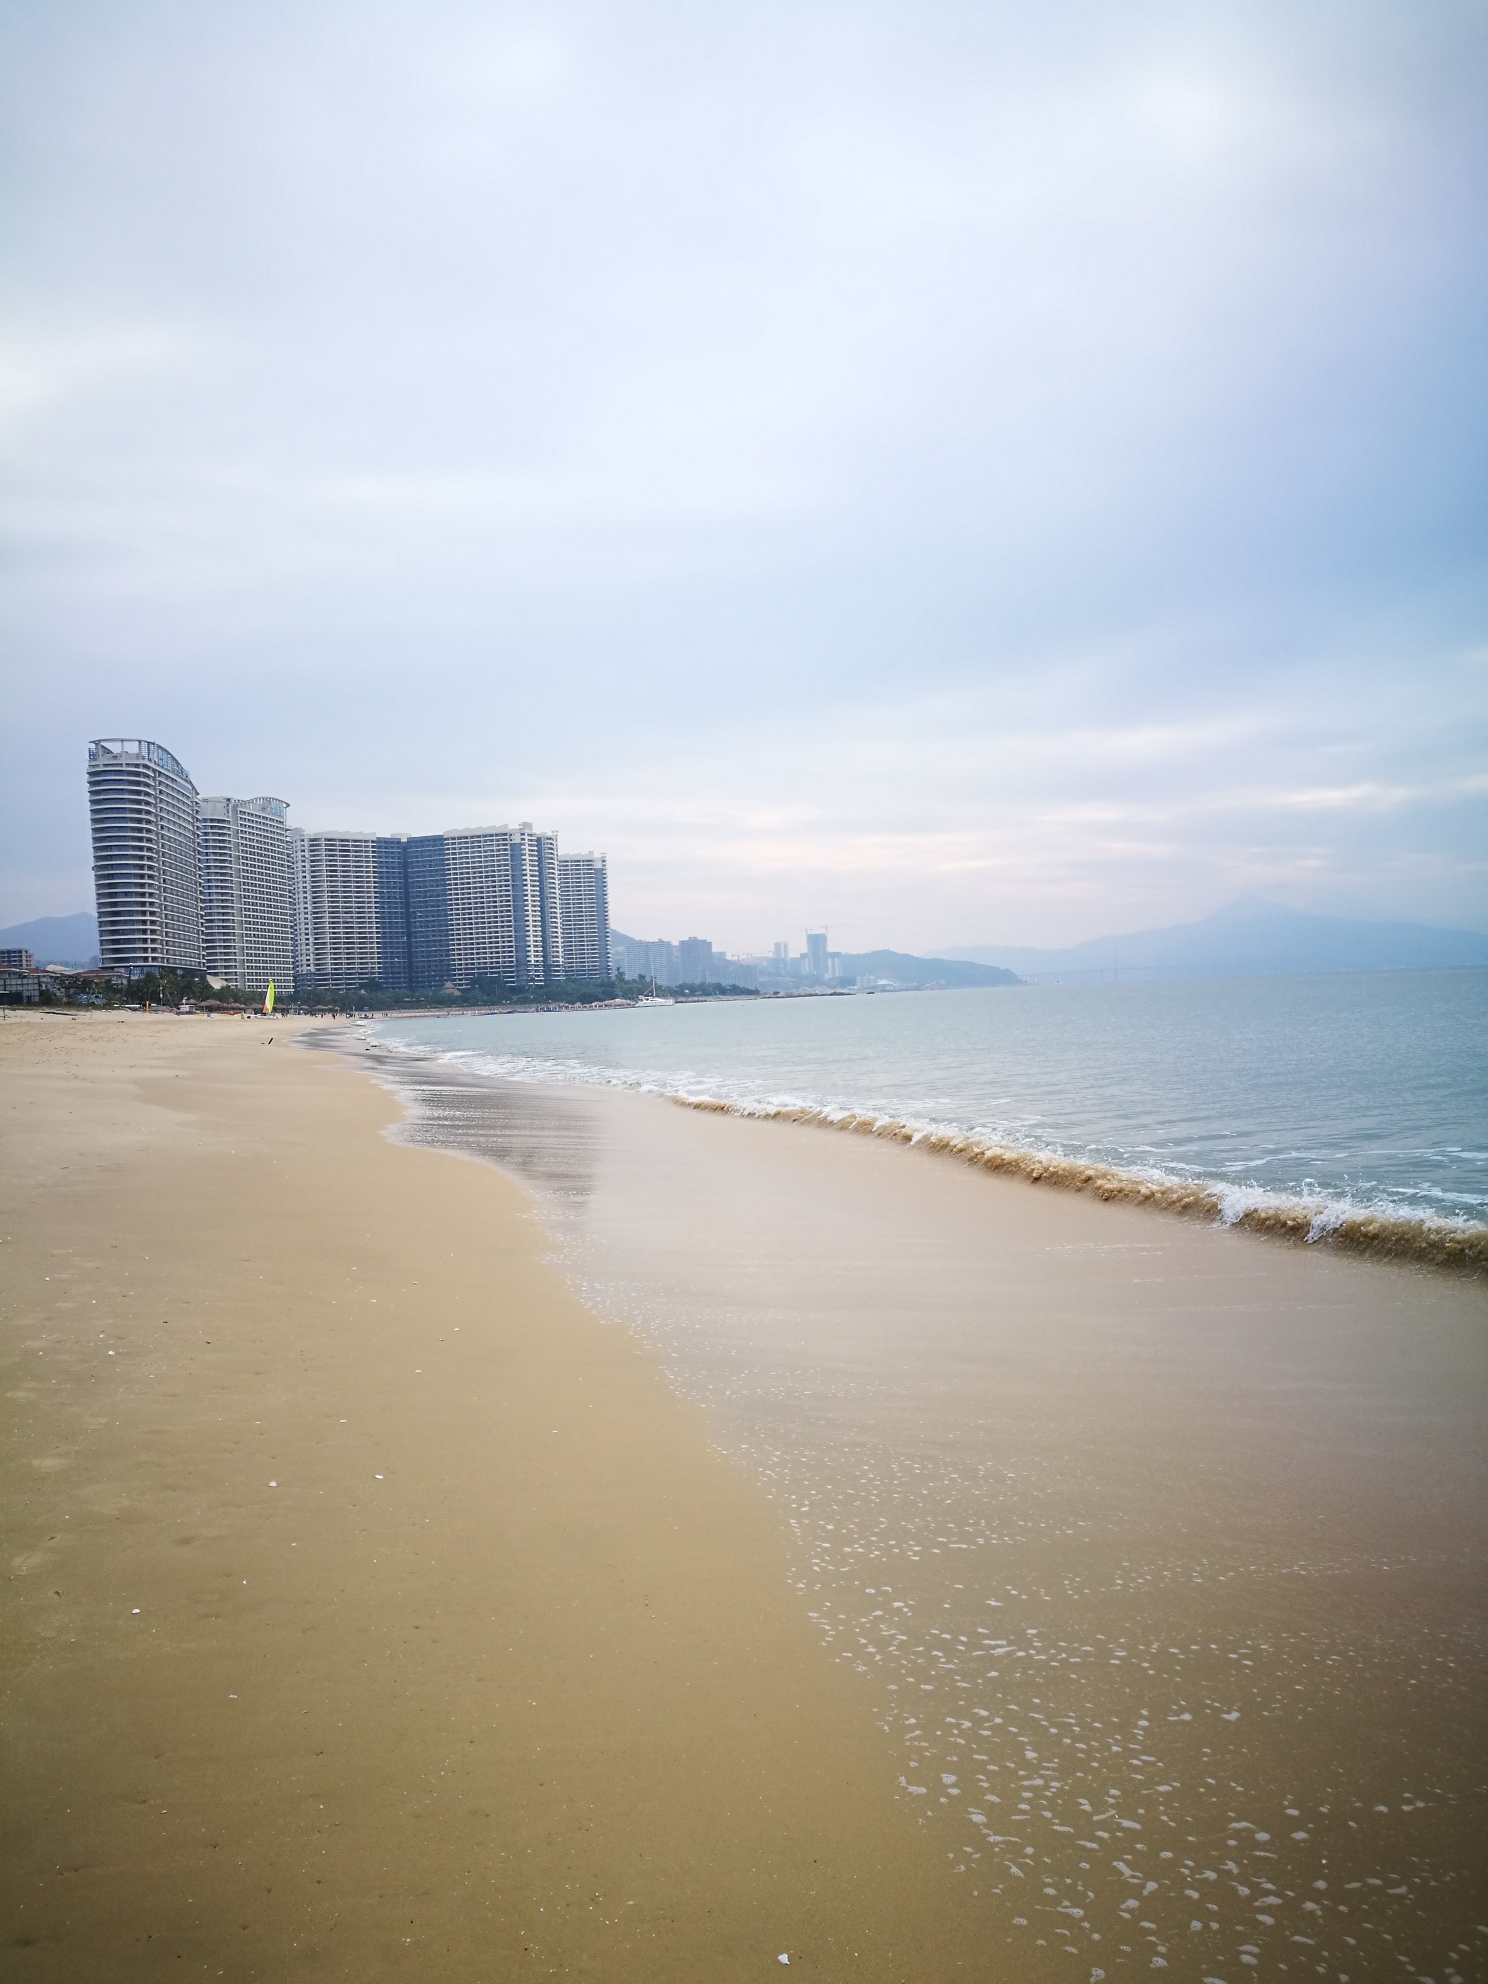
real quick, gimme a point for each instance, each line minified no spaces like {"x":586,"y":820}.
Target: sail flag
{"x":269,"y":998}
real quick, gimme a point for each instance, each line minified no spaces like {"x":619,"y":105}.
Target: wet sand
{"x":374,"y":1610}
{"x":1161,"y":1548}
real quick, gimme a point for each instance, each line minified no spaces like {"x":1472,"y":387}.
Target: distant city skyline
{"x":1244,"y":939}
{"x":990,"y":475}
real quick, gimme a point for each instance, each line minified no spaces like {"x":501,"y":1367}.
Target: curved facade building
{"x":146,"y":871}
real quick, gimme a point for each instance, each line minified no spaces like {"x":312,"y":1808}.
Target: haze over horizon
{"x":921,"y":471}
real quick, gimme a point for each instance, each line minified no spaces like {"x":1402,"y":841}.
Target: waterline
{"x":1425,"y":1238}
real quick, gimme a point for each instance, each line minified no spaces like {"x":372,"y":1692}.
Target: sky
{"x":952,"y":473}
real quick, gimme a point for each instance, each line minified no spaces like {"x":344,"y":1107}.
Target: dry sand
{"x":373,"y":1609}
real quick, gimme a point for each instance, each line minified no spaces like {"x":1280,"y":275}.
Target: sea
{"x":1339,"y":1095}
{"x":1148,"y":1513}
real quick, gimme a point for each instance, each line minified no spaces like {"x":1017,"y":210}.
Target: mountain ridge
{"x":1248,"y":937}
{"x":55,"y":939}
{"x":904,"y":968}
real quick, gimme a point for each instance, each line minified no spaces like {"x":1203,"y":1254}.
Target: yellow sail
{"x":269,"y":998}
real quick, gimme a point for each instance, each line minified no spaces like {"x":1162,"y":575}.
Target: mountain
{"x":907,"y":970}
{"x":1246,"y":939}
{"x":56,"y":939}
{"x":904,"y":969}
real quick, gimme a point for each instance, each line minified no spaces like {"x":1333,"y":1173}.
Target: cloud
{"x":971,"y":466}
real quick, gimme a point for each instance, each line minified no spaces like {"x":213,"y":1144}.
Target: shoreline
{"x":1425,"y":1239}
{"x":905,"y":1534}
{"x":374,"y":1605}
{"x":1457,"y":1246}
{"x":1124,"y":1521}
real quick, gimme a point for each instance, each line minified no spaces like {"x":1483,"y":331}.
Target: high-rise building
{"x":411,"y":912}
{"x":695,"y":961}
{"x":215,"y":853}
{"x":299,"y":896}
{"x":227,"y":884}
{"x":427,"y":870}
{"x":816,"y":953}
{"x":535,"y":927}
{"x":265,"y":893}
{"x":483,"y":903}
{"x":247,"y":892}
{"x":341,"y":879}
{"x":146,"y":876}
{"x":637,"y":957}
{"x":393,"y":935}
{"x":584,"y":916}
{"x":478,"y":879}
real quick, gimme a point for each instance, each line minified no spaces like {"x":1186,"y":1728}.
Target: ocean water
{"x":1341,"y":1095}
{"x":1159,"y":1553}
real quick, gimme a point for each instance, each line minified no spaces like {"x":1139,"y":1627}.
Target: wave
{"x":1380,"y":1232}
{"x":1424,"y":1238}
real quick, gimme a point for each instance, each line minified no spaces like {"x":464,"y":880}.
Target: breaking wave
{"x":1383,"y":1235}
{"x":1380,"y":1232}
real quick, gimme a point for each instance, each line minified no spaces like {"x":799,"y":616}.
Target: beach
{"x":680,"y":1542}
{"x":373,"y":1609}
{"x":1161,"y":1543}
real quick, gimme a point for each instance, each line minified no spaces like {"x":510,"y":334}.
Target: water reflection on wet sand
{"x":1163,"y":1546}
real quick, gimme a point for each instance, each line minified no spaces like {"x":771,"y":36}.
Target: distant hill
{"x":56,"y":939}
{"x":1246,"y":939}
{"x":907,"y":970}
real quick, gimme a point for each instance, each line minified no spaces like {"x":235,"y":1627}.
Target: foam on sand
{"x":1383,"y":1235}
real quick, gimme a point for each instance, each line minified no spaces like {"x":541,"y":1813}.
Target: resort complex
{"x":229,"y":887}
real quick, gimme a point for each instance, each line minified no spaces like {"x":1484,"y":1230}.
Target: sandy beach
{"x":1160,"y":1545}
{"x":373,"y":1609}
{"x":678,"y":1542}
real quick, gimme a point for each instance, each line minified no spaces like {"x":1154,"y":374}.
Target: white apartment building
{"x":584,"y":916}
{"x":340,"y":908}
{"x":539,"y":948}
{"x":146,"y":876}
{"x":228,"y":885}
{"x":501,"y":902}
{"x":482,"y":929}
{"x":247,"y":892}
{"x":301,"y":927}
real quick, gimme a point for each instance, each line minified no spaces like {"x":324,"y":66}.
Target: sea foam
{"x":1383,"y":1231}
{"x":1389,"y":1235}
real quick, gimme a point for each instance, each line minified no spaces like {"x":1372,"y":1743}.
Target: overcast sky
{"x":960,"y":473}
